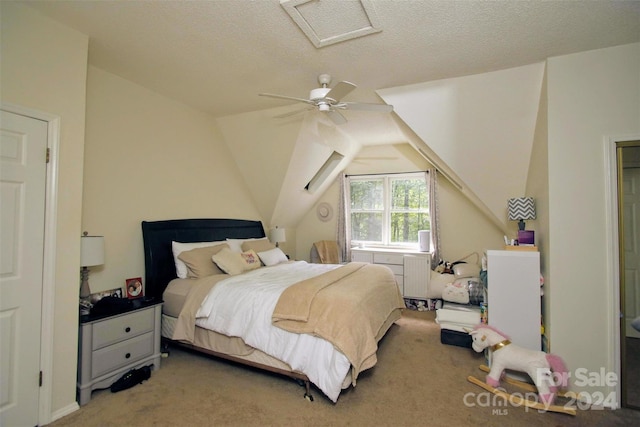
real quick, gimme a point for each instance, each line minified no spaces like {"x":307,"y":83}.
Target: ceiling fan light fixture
{"x":327,"y":100}
{"x":318,"y":93}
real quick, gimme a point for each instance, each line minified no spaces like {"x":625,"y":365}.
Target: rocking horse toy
{"x":547,"y":371}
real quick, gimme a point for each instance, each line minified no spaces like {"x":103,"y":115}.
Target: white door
{"x":631,"y":186}
{"x":23,"y":143}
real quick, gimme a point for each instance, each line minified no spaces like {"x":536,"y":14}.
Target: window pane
{"x":366,"y":227}
{"x":367,"y":194}
{"x":409,"y":194}
{"x":405,"y":226}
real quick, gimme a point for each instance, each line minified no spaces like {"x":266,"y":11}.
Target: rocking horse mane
{"x":497,"y":331}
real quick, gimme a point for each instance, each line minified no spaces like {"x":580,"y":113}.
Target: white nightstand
{"x":111,"y":345}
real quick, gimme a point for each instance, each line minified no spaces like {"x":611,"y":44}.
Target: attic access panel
{"x":329,"y":22}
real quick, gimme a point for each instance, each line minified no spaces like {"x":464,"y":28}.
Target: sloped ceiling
{"x":480,"y":126}
{"x":278,"y":157}
{"x":217,"y":56}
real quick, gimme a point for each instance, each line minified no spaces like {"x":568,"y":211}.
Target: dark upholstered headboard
{"x":157,"y":236}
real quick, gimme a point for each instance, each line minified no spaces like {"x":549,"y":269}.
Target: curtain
{"x":343,"y":231}
{"x":431,"y":177}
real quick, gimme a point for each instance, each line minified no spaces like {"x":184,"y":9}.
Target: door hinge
{"x":48,"y":154}
{"x":40,"y":380}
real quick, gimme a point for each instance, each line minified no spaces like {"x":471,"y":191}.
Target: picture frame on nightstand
{"x":134,"y":288}
{"x":116,"y":293}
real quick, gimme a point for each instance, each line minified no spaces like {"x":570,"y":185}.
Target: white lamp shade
{"x":91,"y":251}
{"x":277,"y":235}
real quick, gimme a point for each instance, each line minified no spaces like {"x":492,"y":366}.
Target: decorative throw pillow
{"x":199,"y":262}
{"x":235,"y":263}
{"x":252,"y":259}
{"x":179,"y":247}
{"x":272,"y":256}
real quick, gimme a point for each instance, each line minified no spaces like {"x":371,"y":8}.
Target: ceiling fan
{"x":328,"y":100}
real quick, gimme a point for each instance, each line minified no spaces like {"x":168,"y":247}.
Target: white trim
{"x":612,"y":261}
{"x":49,"y":258}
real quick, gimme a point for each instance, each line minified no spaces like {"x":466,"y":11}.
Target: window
{"x":388,"y":209}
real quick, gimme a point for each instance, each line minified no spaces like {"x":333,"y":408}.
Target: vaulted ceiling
{"x":218,"y":55}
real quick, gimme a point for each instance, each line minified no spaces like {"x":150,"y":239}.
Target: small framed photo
{"x":116,"y":293}
{"x":134,"y":288}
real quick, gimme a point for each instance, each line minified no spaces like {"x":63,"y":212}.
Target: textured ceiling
{"x":218,"y":55}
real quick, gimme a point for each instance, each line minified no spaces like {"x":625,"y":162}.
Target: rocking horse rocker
{"x":544,"y":369}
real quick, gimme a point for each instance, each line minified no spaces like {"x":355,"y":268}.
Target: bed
{"x":293,"y":313}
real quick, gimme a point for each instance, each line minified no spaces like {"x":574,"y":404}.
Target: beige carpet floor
{"x":417,"y":382}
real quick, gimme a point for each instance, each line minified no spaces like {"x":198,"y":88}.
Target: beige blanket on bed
{"x":351,"y":307}
{"x":185,"y":326}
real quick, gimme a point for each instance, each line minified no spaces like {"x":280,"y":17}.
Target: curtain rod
{"x":388,"y":173}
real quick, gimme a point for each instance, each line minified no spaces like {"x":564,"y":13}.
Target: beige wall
{"x":148,"y":157}
{"x":44,"y":68}
{"x":592,"y":96}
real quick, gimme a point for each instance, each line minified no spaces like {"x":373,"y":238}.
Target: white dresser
{"x":513,"y":295}
{"x":411,"y":268}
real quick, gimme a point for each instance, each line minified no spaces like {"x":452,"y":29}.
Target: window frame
{"x":387,"y":209}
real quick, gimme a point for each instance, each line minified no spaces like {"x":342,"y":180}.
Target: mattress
{"x":174,"y":296}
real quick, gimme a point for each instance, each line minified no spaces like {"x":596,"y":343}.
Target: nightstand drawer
{"x":382,"y":258}
{"x":121,"y":328}
{"x":113,"y":357}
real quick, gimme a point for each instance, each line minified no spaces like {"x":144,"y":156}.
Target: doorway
{"x":628,"y":189}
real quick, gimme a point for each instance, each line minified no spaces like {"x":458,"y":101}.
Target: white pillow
{"x":236,"y":244}
{"x":178,"y":248}
{"x":272,"y":257}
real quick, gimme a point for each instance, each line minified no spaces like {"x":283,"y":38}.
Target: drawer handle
{"x":128,"y":355}
{"x":127,"y":329}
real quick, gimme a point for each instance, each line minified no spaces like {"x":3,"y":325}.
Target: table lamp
{"x":521,"y":208}
{"x":91,"y":254}
{"x":277,"y":236}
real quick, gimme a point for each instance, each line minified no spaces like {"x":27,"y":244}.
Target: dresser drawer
{"x":121,"y":328}
{"x":385,"y":258}
{"x":121,"y":354}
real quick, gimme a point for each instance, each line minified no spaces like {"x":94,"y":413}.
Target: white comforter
{"x":242,"y":306}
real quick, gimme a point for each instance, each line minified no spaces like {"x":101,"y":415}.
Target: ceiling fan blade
{"x":340,"y":90}
{"x":336,"y":117}
{"x":383,"y":108}
{"x":291,"y":98}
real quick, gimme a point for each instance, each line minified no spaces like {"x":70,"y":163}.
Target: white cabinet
{"x":513,"y":295}
{"x":411,"y":268}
